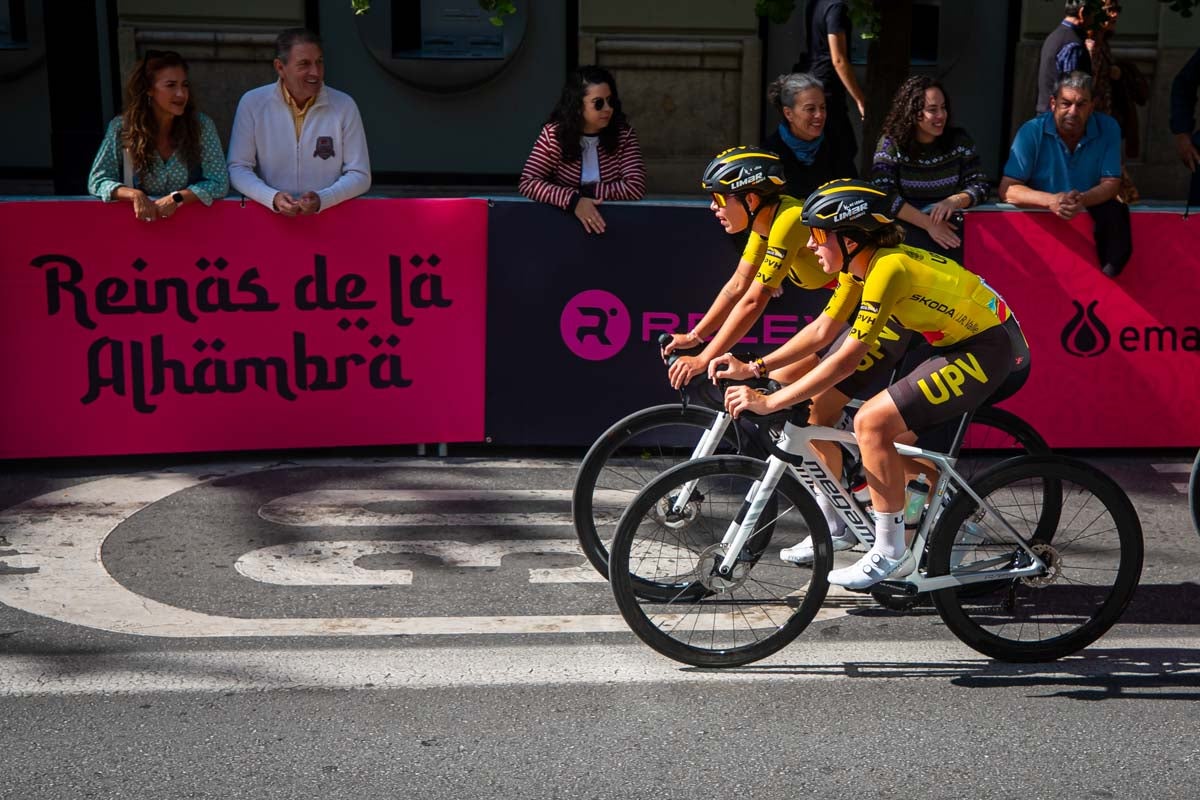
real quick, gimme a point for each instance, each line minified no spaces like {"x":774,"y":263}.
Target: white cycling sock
{"x":837,"y":526}
{"x":889,"y":533}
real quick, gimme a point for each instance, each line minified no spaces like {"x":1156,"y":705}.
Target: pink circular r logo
{"x":595,"y":325}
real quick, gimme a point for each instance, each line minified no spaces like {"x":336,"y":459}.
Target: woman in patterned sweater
{"x":586,"y":153}
{"x":932,"y":168}
{"x":161,"y":153}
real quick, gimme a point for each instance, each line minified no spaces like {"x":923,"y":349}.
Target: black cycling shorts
{"x":874,"y":372}
{"x":959,"y":378}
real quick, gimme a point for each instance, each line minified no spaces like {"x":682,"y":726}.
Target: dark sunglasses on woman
{"x":598,"y":103}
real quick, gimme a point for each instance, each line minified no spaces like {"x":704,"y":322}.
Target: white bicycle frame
{"x":815,"y":477}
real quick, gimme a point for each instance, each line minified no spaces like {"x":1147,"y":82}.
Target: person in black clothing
{"x":1183,"y":121}
{"x":829,"y":32}
{"x":808,"y":155}
{"x":1064,"y":51}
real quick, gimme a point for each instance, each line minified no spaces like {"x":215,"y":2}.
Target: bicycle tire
{"x":1091,"y":536}
{"x":994,"y":435}
{"x":1194,"y":493}
{"x":596,"y":521}
{"x":757,"y":610}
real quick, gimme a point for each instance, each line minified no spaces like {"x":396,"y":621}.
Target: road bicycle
{"x":648,"y":442}
{"x":1033,"y":560}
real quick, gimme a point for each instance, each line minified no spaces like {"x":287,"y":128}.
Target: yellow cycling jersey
{"x":923,"y":291}
{"x":784,"y":252}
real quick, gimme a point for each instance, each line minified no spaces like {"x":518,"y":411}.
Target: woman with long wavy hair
{"x":931,"y":167}
{"x":586,"y":152}
{"x":161,"y":153}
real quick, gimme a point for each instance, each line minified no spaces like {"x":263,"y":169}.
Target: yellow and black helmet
{"x":848,"y":205}
{"x":742,"y":170}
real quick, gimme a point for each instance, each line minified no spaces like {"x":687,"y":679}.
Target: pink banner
{"x":1116,"y":363}
{"x":232,"y":328}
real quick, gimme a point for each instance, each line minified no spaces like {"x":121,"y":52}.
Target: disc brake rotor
{"x":706,"y":570}
{"x":664,"y":513}
{"x":1053,"y":562}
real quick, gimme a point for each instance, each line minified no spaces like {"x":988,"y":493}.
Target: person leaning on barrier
{"x":161,"y":146}
{"x":1068,"y":160}
{"x":1183,"y":121}
{"x":586,"y":152}
{"x":298,"y":146}
{"x":930,"y":167}
{"x":808,"y":154}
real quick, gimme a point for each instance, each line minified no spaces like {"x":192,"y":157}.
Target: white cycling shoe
{"x":803,"y":553}
{"x":871,"y":569}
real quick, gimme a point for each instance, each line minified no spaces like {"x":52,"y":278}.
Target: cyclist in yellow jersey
{"x":747,"y":189}
{"x":746,"y":185}
{"x":979,"y":352}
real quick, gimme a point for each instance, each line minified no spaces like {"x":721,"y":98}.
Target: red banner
{"x":1116,"y":363}
{"x":232,"y":328}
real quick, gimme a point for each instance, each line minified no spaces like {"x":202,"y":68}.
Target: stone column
{"x":690,"y":78}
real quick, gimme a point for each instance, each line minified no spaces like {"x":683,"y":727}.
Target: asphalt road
{"x":344,"y":627}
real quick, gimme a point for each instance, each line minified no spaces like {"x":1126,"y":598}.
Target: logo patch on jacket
{"x":324,"y":147}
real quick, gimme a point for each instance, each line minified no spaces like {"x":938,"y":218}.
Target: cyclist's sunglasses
{"x":598,"y":103}
{"x":720,"y":199}
{"x":820,"y":235}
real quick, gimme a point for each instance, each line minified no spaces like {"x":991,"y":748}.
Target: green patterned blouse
{"x":210,"y":181}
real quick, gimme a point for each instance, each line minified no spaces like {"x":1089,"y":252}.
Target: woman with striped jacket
{"x":586,"y":153}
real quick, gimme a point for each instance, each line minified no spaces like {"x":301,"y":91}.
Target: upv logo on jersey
{"x":595,"y":325}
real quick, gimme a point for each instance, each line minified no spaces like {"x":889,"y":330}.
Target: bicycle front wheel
{"x":706,"y":618}
{"x":1087,"y":533}
{"x":624,"y":459}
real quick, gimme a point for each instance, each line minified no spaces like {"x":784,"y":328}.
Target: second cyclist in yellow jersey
{"x":746,"y":185}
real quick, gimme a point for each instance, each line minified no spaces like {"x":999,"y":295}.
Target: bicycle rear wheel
{"x":706,"y":619}
{"x":1088,"y":534}
{"x":993,"y":436}
{"x":627,"y":456}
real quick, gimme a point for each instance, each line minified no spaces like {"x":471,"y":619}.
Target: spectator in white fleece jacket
{"x":297,"y":146}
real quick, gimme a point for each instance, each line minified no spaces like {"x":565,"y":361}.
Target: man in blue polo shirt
{"x":1069,"y":159}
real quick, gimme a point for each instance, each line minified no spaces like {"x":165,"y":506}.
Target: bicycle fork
{"x":739,"y":532}
{"x":705,"y":447}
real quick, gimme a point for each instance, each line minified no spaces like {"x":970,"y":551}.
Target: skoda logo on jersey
{"x":1085,"y":335}
{"x":595,"y":325}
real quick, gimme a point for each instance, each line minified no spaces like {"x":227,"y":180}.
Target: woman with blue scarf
{"x":809,"y":158}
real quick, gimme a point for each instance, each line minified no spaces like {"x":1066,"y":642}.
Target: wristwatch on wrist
{"x":177,"y":197}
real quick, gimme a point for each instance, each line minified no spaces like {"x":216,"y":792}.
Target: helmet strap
{"x":763,"y":204}
{"x":849,"y":255}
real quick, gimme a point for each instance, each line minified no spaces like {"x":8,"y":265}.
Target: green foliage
{"x":499,"y":9}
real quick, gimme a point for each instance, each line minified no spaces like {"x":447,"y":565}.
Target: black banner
{"x":573,"y":318}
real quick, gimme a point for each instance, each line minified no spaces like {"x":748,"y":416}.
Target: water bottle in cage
{"x":915,"y":497}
